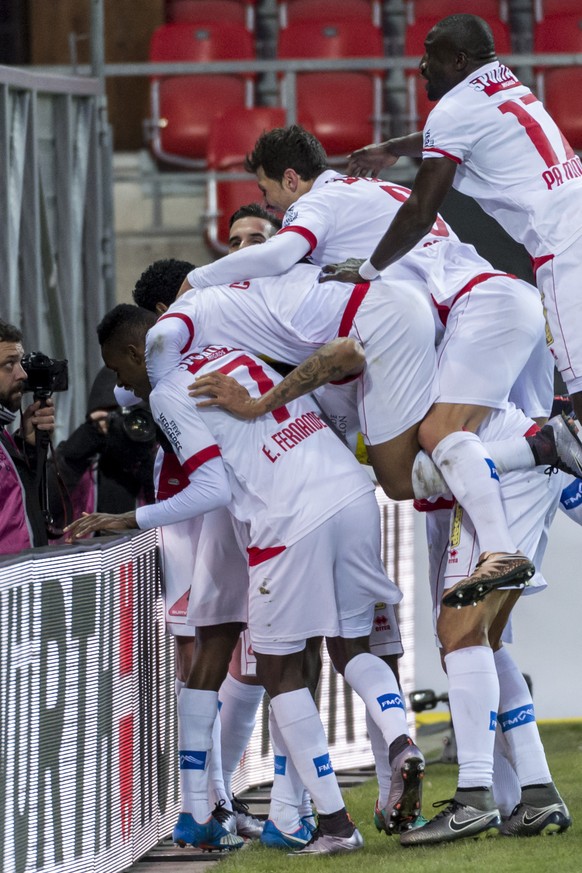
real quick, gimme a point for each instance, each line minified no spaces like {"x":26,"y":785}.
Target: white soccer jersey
{"x":344,"y":216}
{"x":287,"y":471}
{"x":512,"y":158}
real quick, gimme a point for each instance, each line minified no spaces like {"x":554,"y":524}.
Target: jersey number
{"x":534,"y":130}
{"x":264,"y":383}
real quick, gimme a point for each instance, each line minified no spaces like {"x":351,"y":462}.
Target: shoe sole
{"x":470,"y":593}
{"x":407,"y":807}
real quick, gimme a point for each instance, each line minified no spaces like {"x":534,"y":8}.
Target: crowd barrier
{"x":88,"y":777}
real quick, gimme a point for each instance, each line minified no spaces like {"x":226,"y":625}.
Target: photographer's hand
{"x":36,"y":417}
{"x":89,"y":523}
{"x":100,"y":421}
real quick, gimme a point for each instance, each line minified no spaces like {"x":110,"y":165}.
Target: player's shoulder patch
{"x":290,"y":216}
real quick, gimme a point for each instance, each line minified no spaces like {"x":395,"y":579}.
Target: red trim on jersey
{"x":263,"y":382}
{"x":352,"y":306}
{"x":307,"y":235}
{"x":539,"y":262}
{"x":433,"y":505}
{"x":200,"y":458}
{"x":258,"y":556}
{"x":535,"y":428}
{"x":444,"y":311}
{"x":444,"y":154}
{"x":189,"y":324}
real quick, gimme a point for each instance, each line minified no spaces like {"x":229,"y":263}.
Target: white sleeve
{"x":125,"y":397}
{"x":272,"y":258}
{"x":447,"y":136}
{"x":165,"y":344}
{"x":208,"y":489}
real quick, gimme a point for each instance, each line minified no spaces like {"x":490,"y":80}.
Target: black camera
{"x":137,"y":424}
{"x":44,"y":375}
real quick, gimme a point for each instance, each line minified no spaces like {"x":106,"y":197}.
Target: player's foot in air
{"x":557,"y":446}
{"x":493,"y":570}
{"x":405,"y":798}
{"x":458,"y":820}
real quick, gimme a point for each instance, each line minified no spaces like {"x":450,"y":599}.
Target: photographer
{"x":22,"y":522}
{"x":106,"y":464}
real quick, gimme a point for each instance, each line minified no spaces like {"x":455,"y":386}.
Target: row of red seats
{"x":184,"y":106}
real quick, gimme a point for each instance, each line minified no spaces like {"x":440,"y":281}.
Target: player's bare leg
{"x":392,"y":462}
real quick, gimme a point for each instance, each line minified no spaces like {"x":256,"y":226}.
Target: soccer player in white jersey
{"x":309,"y":508}
{"x":491,"y":138}
{"x":331,"y":216}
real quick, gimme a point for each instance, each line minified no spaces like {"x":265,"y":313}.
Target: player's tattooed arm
{"x":369,"y":160}
{"x":336,"y":360}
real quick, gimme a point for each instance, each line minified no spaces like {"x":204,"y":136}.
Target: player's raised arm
{"x":413,"y":220}
{"x":336,"y":360}
{"x":371,"y":159}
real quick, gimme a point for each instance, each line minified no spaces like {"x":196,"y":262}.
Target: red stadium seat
{"x":183,"y":107}
{"x":558,"y":87}
{"x":329,"y":11}
{"x":437,"y":9}
{"x":559,"y":33}
{"x":345,"y":106}
{"x":194,"y":11}
{"x":543,"y":8}
{"x":232,"y":137}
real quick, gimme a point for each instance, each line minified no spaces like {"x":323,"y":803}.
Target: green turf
{"x":556,"y":854}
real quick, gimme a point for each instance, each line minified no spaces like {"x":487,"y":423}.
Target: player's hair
{"x":255,"y":210}
{"x":125,"y":322}
{"x":160,"y":282}
{"x":283,"y":147}
{"x":9,"y":333}
{"x":470,"y":34}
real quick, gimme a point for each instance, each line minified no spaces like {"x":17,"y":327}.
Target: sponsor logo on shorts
{"x":572,"y":495}
{"x":516,"y":717}
{"x":280,"y":765}
{"x":323,"y":766}
{"x":390,"y":701}
{"x":192,"y":760}
{"x":492,"y":721}
{"x":492,"y":469}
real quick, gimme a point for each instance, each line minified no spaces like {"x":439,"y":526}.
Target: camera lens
{"x":139,"y":426}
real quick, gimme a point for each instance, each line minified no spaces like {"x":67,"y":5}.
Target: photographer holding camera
{"x":22,"y":520}
{"x":106,"y":464}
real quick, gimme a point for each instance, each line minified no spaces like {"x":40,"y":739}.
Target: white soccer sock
{"x":427,"y":479}
{"x":298,"y":719}
{"x":518,"y":724}
{"x":511,"y":454}
{"x":373,"y":680}
{"x":287,"y":791}
{"x":382,"y":764}
{"x":506,"y":787}
{"x":473,"y":698}
{"x":237,"y":717}
{"x":216,"y":787}
{"x":472,"y":478}
{"x":197,"y":711}
{"x":178,"y":685}
{"x":306,"y":807}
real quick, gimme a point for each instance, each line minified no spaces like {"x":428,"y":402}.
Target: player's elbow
{"x":349,"y":356}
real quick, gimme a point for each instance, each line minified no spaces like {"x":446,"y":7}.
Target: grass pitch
{"x":558,"y":854}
